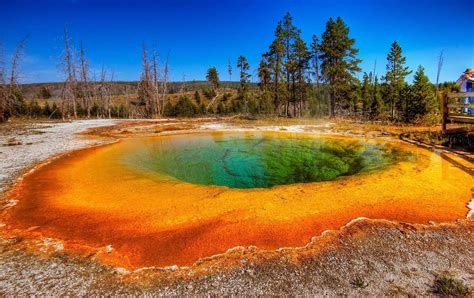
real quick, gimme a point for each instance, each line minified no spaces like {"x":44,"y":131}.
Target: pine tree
{"x":285,"y":68}
{"x":422,"y":97}
{"x":202,"y":109}
{"x":243,"y":66}
{"x":265,"y":102}
{"x":354,"y":97}
{"x":289,"y":36}
{"x":185,"y":107}
{"x":316,"y":73}
{"x":264,"y":75}
{"x":301,"y":76}
{"x":339,"y":62}
{"x":315,"y":47}
{"x":395,"y":77}
{"x":274,"y":59}
{"x":169,"y":110}
{"x":366,"y":94}
{"x":46,"y":109}
{"x":44,"y":93}
{"x":212,"y":77}
{"x":34,"y":110}
{"x":229,"y":70}
{"x":197,"y":97}
{"x":377,"y":105}
{"x":403,"y":102}
{"x":220,"y":108}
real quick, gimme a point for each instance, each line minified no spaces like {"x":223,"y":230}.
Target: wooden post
{"x":444,"y":112}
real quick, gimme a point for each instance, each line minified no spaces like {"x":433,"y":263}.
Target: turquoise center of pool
{"x":257,"y":160}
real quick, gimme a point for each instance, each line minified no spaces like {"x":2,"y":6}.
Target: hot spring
{"x":259,"y":161}
{"x":160,"y":201}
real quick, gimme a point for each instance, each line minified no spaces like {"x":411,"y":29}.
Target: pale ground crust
{"x":393,"y":258}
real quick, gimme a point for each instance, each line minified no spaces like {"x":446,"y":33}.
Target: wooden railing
{"x":452,"y":109}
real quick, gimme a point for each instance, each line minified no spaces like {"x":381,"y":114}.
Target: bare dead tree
{"x":156,"y":97}
{"x":183,"y":84}
{"x":95,"y":91}
{"x":69,"y":87}
{"x":14,"y":96}
{"x":108,"y":94}
{"x":145,"y":86}
{"x":147,"y":83}
{"x":105,"y":93}
{"x":438,"y":72}
{"x":152,"y":88}
{"x":104,"y":103}
{"x":164,"y":83}
{"x":85,"y":90}
{"x":3,"y":85}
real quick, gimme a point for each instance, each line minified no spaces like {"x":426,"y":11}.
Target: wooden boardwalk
{"x":452,"y":109}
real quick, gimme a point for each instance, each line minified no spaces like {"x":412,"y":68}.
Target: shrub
{"x":449,"y":286}
{"x":47,"y":109}
{"x":197,"y":97}
{"x":221,"y":108}
{"x":34,"y":110}
{"x":44,"y":93}
{"x":359,"y":282}
{"x":226,"y":96}
{"x":183,"y":108}
{"x":169,"y":110}
{"x":209,"y":93}
{"x":55,"y":112}
{"x":202,"y":109}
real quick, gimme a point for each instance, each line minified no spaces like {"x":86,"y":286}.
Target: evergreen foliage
{"x":338,"y":63}
{"x":44,"y":93}
{"x":244,"y":67}
{"x":183,"y":108}
{"x":377,"y":105}
{"x":197,"y":97}
{"x":212,"y":77}
{"x":422,"y":97}
{"x":366,"y":94}
{"x":395,"y":78}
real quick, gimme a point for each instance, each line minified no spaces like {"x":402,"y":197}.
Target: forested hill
{"x":38,"y":90}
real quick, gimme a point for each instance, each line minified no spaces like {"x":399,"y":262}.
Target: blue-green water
{"x":259,"y":161}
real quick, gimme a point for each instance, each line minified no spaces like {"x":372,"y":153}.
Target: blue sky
{"x":199,"y":34}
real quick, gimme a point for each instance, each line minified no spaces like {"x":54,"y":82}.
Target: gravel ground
{"x":389,"y":258}
{"x":24,"y":144}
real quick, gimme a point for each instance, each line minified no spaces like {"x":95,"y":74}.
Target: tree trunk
{"x":331,"y":105}
{"x":2,"y":118}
